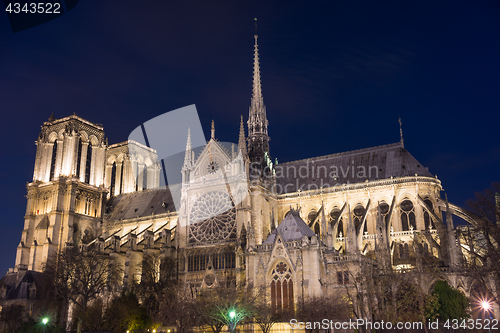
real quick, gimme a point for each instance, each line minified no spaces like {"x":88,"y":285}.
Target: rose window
{"x":213,"y":218}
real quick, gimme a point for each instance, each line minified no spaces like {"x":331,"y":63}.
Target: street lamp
{"x":486,"y":305}
{"x":232,"y":314}
{"x":45,"y":321}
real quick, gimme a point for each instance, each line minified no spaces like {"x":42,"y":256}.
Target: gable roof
{"x":291,"y":228}
{"x":355,"y":166}
{"x":139,"y":204}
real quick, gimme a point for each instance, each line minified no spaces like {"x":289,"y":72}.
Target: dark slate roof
{"x":21,"y":291}
{"x":291,"y":228}
{"x":138,"y":204}
{"x":355,"y":166}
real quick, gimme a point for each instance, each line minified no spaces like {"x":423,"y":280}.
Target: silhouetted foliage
{"x":453,"y":304}
{"x":11,"y":316}
{"x":125,"y":313}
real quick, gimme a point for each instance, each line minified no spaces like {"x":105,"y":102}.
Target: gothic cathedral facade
{"x":292,"y":228}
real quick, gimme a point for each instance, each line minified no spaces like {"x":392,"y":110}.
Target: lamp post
{"x":232,"y":314}
{"x":45,"y":321}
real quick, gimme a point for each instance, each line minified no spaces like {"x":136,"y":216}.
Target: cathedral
{"x":296,"y":229}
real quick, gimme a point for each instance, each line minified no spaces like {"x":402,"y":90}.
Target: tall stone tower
{"x":65,"y":199}
{"x":261,"y":171}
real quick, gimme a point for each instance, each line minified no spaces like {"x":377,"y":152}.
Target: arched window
{"x":334,"y":214}
{"x":429,"y":223}
{"x":281,"y":288}
{"x":311,"y":217}
{"x":53,"y":162}
{"x":384,"y":211}
{"x":113,"y":180}
{"x":120,"y":190}
{"x":357,"y":217}
{"x":317,"y":229}
{"x":88,"y":163}
{"x":78,"y":158}
{"x":407,"y":215}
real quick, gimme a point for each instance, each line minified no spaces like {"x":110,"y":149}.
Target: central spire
{"x":258,"y":140}
{"x":257,"y":103}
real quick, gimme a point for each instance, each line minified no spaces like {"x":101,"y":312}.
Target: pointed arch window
{"x":113,"y":180}
{"x":384,"y":211}
{"x":53,"y":162}
{"x":281,"y":288}
{"x":317,"y":229}
{"x":88,"y":164}
{"x":407,"y":215}
{"x":334,"y":214}
{"x":429,"y":223}
{"x":78,"y":158}
{"x":357,"y":217}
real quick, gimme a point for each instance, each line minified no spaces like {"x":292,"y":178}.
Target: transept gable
{"x":279,"y":250}
{"x":213,"y":157}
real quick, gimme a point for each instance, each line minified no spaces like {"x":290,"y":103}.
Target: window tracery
{"x":281,"y":288}
{"x":213,"y":219}
{"x":407,"y":215}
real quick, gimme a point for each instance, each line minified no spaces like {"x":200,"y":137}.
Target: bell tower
{"x":64,"y":201}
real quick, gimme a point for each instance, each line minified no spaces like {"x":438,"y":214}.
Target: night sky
{"x":336,"y":75}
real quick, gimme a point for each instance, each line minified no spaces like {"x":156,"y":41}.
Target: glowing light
{"x":486,"y":305}
{"x":45,"y":321}
{"x":232,"y":314}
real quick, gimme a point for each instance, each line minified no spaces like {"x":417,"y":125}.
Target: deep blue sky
{"x":335,"y":74}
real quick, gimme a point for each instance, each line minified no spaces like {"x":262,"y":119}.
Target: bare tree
{"x":82,"y":276}
{"x":158,"y":281}
{"x":180,"y":311}
{"x":266,"y":317}
{"x":316,"y":309}
{"x":482,"y":240}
